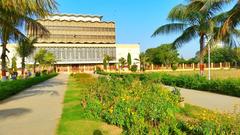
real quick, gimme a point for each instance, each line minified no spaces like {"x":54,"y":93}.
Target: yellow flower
{"x":111,"y":110}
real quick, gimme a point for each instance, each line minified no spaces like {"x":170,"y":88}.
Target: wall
{"x":124,"y":49}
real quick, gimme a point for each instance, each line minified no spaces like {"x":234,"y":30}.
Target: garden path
{"x":212,"y":101}
{"x":35,"y":111}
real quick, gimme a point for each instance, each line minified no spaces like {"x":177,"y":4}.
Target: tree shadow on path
{"x":6,"y":113}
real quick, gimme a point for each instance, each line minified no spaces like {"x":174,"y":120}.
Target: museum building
{"x":80,"y":42}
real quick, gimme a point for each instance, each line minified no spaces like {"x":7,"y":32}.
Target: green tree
{"x":24,"y":49}
{"x":225,"y":54}
{"x":39,"y":58}
{"x":14,"y":15}
{"x":196,"y":19}
{"x":163,"y":54}
{"x":230,"y":20}
{"x":143,"y":60}
{"x":129,"y":60}
{"x":122,"y":62}
{"x":106,"y":61}
{"x":14,"y":63}
{"x":49,"y":59}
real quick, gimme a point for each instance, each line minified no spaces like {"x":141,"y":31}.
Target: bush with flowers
{"x":139,"y":104}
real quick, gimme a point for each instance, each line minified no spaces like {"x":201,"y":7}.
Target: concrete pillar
{"x":193,"y":66}
{"x":183,"y":66}
{"x":84,"y":68}
{"x":68,"y":68}
{"x":95,"y":67}
{"x":152,"y":66}
{"x":212,"y":65}
{"x":117,"y":67}
{"x":220,"y":65}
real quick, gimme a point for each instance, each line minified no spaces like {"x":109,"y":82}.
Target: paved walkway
{"x":212,"y":101}
{"x":35,"y":111}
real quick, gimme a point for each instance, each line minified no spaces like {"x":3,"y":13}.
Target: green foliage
{"x":39,"y":56}
{"x":10,"y":88}
{"x":106,"y":61}
{"x":163,"y":54}
{"x":140,"y":105}
{"x":129,"y":60}
{"x":105,"y":64}
{"x":226,"y":87}
{"x":25,"y":47}
{"x":122,"y":62}
{"x":14,"y":64}
{"x":208,"y":122}
{"x":174,"y":66}
{"x":43,"y":57}
{"x":225,"y":54}
{"x":134,"y":68}
{"x":49,"y":58}
{"x":198,"y":19}
{"x":126,"y":102}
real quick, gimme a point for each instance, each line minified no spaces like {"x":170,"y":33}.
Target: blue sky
{"x":135,"y":20}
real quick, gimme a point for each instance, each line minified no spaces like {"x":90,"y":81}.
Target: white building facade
{"x":80,"y":42}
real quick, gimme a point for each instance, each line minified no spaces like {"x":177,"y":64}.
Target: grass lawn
{"x":215,"y":74}
{"x":72,"y":121}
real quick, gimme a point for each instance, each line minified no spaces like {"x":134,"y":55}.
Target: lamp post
{"x":209,"y":62}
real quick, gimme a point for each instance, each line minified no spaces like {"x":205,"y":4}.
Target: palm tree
{"x":39,"y":58}
{"x":49,"y":59}
{"x":122,"y":62}
{"x":143,"y":60}
{"x":195,"y":20}
{"x":13,"y":17}
{"x":106,"y":60}
{"x":24,"y":49}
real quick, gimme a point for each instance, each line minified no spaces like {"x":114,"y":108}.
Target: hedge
{"x":10,"y":88}
{"x":229,"y":87}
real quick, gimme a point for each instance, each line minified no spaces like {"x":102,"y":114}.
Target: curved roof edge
{"x":74,"y":21}
{"x":77,"y":15}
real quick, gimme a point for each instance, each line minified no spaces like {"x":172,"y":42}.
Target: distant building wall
{"x":124,"y":49}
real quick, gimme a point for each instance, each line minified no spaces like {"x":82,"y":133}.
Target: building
{"x":80,"y":42}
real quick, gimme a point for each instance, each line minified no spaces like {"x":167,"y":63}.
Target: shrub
{"x":139,"y":109}
{"x":140,"y":105}
{"x":227,"y":87}
{"x":10,"y":88}
{"x":134,"y":68}
{"x":174,"y":67}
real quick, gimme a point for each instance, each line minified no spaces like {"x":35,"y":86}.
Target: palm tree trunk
{"x":34,"y":67}
{"x":201,"y":54}
{"x":3,"y":57}
{"x":23,"y":66}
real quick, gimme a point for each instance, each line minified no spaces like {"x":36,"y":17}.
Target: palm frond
{"x":178,"y":13}
{"x":188,"y":34}
{"x":168,"y":28}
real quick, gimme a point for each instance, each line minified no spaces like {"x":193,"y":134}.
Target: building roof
{"x":74,"y":17}
{"x":78,"y":15}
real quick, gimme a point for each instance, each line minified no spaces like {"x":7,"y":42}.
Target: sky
{"x":136,"y":20}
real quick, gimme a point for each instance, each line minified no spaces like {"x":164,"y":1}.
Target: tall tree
{"x":14,"y":14}
{"x":14,"y":64}
{"x":24,"y":49}
{"x":39,"y":58}
{"x":49,"y":59}
{"x":143,"y":60}
{"x":163,"y":54}
{"x":230,"y":19}
{"x":129,"y":60}
{"x":106,"y":61}
{"x":122,"y":62}
{"x":195,"y":20}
